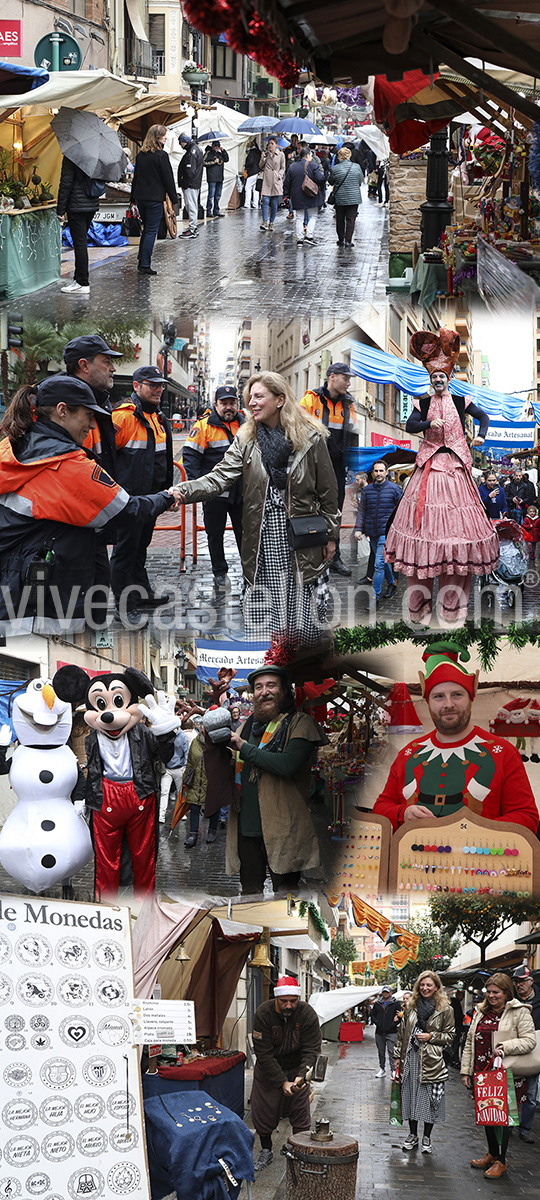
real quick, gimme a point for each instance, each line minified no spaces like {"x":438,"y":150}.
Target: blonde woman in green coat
{"x":426,"y":1028}
{"x":280,"y":453}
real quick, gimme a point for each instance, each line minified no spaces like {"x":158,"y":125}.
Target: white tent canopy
{"x":328,"y":1005}
{"x":226,"y":120}
{"x":375,"y":139}
{"x":75,"y":89}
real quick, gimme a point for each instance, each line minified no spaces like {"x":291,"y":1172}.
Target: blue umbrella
{"x":296,"y":125}
{"x":214,"y":135}
{"x":257,"y":124}
{"x":282,"y":142}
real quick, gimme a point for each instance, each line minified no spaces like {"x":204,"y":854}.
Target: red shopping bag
{"x":491,"y":1095}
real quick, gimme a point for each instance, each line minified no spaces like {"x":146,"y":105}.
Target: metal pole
{"x":55,"y":41}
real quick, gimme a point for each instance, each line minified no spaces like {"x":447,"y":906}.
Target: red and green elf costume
{"x":479,"y":770}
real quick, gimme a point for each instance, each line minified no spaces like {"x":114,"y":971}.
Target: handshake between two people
{"x":179,"y":498}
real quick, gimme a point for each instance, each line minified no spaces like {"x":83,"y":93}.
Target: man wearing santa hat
{"x":457,"y":763}
{"x":286,"y":1041}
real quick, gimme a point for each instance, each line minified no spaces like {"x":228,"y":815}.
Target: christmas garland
{"x":485,"y":638}
{"x":247,"y":34}
{"x":315,"y":915}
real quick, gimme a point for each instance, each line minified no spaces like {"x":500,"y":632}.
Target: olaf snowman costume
{"x":122,"y":761}
{"x":45,"y":839}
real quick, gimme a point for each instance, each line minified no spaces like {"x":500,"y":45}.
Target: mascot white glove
{"x":6,"y":736}
{"x":161,"y":715}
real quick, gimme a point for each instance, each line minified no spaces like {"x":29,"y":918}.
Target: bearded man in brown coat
{"x":272,"y":827}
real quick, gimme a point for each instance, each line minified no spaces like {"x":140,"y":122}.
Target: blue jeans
{"x":151,"y":214}
{"x":273,"y":202}
{"x":382,"y":569}
{"x":528,"y":1108}
{"x":214,"y":194}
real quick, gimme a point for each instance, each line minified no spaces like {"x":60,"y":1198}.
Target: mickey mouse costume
{"x":122,"y":757}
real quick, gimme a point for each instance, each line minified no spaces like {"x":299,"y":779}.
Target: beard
{"x":267,"y":711}
{"x":452,"y":722}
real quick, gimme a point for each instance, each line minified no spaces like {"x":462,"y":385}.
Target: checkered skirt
{"x":420,"y":1101}
{"x":277,"y":602}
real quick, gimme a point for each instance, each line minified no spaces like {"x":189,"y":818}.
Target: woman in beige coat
{"x":512,"y":1024}
{"x":280,"y":453}
{"x":272,"y":165}
{"x":426,"y":1028}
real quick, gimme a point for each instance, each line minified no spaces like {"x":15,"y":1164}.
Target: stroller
{"x":513,"y":562}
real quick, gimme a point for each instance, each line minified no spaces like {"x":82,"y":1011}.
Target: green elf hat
{"x":443,"y":665}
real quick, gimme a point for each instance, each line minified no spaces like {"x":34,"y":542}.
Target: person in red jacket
{"x":531,"y":530}
{"x":457,"y":764}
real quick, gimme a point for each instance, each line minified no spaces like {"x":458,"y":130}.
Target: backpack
{"x":94,"y":188}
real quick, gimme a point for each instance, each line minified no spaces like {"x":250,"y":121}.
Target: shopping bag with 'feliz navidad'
{"x":395,"y":1099}
{"x":495,"y":1095}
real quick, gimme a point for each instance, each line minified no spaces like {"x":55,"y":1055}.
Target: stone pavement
{"x":235,"y":270}
{"x":198,"y":872}
{"x":357,"y":1103}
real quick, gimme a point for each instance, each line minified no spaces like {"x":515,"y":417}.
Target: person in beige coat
{"x":502,"y":1023}
{"x":426,"y":1028}
{"x":272,"y":165}
{"x":280,"y":453}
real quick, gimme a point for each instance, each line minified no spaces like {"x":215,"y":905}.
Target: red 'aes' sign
{"x":10,"y":39}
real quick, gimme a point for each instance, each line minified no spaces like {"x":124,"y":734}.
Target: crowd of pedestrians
{"x":377,"y":493}
{"x":297,"y":177}
{"x":424,"y":1033}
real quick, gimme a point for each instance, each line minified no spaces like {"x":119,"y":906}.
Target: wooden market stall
{"x":30,"y":164}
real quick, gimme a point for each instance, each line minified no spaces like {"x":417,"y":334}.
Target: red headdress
{"x":436,"y":352}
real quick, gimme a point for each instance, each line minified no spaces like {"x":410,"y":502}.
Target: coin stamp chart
{"x":71,"y":1120}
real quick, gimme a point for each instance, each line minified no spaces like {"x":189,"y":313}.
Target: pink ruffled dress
{"x":440,"y":526}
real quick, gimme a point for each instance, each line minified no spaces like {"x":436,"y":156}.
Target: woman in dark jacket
{"x":347,"y":178}
{"x":251,"y":171}
{"x":153,"y":180}
{"x":305,"y":205}
{"x":56,"y":500}
{"x":77,"y":204}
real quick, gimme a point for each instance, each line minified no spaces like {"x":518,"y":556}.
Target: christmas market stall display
{"x":354,"y":711}
{"x":191,"y":955}
{"x":30,"y":163}
{"x":478,"y":833}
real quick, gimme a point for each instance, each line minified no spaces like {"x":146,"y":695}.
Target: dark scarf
{"x":275,"y":449}
{"x":424,"y":1010}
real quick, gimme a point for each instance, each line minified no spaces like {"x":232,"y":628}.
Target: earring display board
{"x":71,"y":1113}
{"x":362,"y":857}
{"x":465,"y":854}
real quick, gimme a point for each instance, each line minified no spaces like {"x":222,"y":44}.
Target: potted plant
{"x":195,"y":74}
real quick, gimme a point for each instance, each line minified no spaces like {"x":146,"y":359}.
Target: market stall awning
{"x":379,"y":367}
{"x":332,"y":1004}
{"x":165,"y":108}
{"x":352,"y":39}
{"x":74,"y":89}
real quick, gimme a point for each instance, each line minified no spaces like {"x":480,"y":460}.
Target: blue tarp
{"x":242,"y":656}
{"x":187,"y":1134}
{"x":98,"y":235}
{"x":411,"y":378}
{"x":361,"y":458}
{"x":11,"y":78}
{"x":8,"y":689}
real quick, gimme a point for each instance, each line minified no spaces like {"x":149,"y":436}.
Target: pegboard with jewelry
{"x":448,"y":803}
